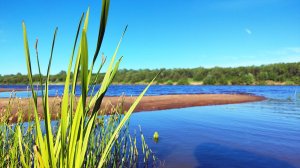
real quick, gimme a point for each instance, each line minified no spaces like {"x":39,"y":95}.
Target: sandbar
{"x":148,"y":103}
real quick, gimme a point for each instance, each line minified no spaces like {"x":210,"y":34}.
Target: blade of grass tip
{"x":86,"y":21}
{"x":98,"y":72}
{"x":65,"y":102}
{"x":28,"y":61}
{"x":76,"y":68}
{"x":119,"y":127}
{"x":36,"y":117}
{"x":108,"y":74}
{"x":102,"y":28}
{"x":115,"y":70}
{"x":39,"y":68}
{"x":51,"y":54}
{"x":77,"y":34}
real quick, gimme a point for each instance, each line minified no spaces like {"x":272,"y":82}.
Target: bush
{"x":183,"y":81}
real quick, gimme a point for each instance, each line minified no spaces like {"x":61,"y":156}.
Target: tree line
{"x":281,"y":73}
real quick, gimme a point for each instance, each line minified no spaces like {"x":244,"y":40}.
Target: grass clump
{"x":80,"y":138}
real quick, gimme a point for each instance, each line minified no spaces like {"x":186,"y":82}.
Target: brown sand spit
{"x":148,"y":103}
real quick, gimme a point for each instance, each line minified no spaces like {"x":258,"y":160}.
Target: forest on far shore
{"x":272,"y":74}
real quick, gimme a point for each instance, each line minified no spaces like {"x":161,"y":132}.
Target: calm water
{"x":261,"y":134}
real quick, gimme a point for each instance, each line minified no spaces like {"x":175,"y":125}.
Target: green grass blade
{"x":57,"y":145}
{"x":73,"y":134}
{"x":84,"y":68}
{"x":103,"y":22}
{"x":77,"y":119}
{"x":28,"y":61}
{"x":22,"y":157}
{"x":102,"y":28}
{"x":40,"y":141}
{"x":49,"y":134}
{"x":88,"y":131}
{"x":65,"y":100}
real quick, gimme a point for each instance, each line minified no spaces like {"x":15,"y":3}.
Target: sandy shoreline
{"x":148,"y":103}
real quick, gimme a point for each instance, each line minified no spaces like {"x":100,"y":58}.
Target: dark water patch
{"x":211,"y":155}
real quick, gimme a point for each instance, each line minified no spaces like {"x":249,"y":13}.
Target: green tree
{"x":183,"y":81}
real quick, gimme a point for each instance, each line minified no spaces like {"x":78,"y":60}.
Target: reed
{"x":81,"y":138}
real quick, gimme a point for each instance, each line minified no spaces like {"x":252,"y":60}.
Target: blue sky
{"x":161,"y":33}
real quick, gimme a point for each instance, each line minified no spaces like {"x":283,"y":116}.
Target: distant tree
{"x":248,"y":79}
{"x":283,"y":72}
{"x":209,"y":80}
{"x":199,"y":74}
{"x":263,"y":76}
{"x":296,"y":80}
{"x":183,"y":81}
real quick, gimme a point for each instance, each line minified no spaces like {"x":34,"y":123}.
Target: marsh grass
{"x":80,"y":138}
{"x":129,"y":150}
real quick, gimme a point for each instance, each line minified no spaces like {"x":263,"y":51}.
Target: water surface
{"x":262,"y":134}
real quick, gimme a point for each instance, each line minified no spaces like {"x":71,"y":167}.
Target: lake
{"x":262,"y":134}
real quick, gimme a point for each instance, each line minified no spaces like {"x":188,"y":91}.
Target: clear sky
{"x":161,"y":33}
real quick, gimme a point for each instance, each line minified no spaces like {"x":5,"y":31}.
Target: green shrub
{"x":183,"y":81}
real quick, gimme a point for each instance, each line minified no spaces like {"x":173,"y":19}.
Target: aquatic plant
{"x":81,"y":137}
{"x":155,"y":137}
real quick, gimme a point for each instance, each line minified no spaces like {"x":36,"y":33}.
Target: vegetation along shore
{"x":272,"y":74}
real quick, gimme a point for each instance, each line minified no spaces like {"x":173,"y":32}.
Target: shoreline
{"x":147,"y":104}
{"x":11,"y":90}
